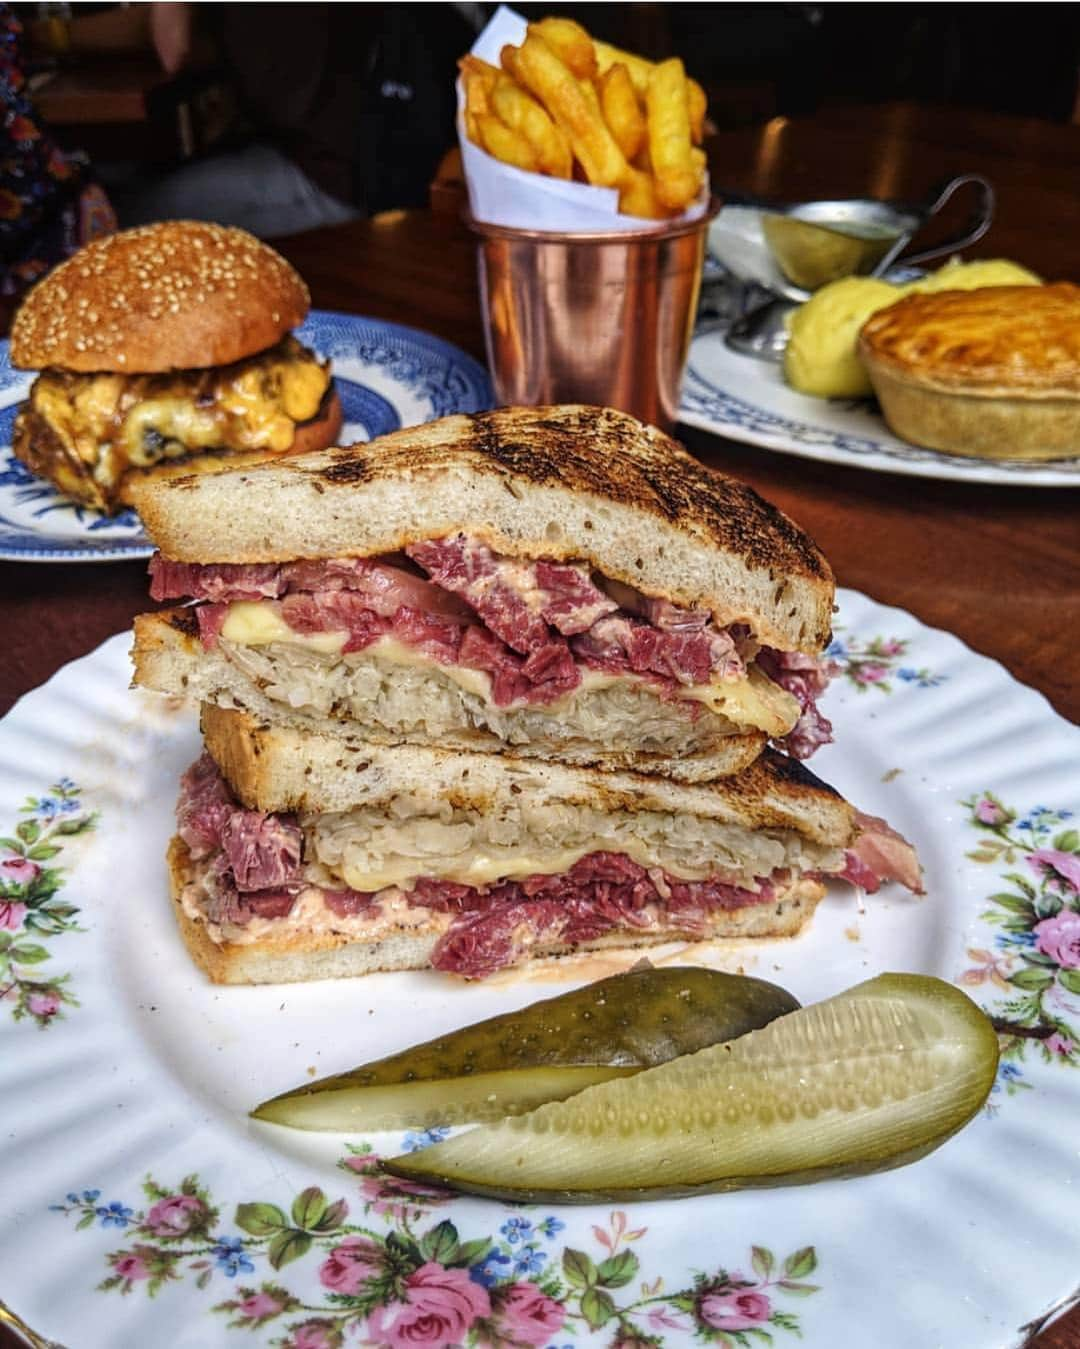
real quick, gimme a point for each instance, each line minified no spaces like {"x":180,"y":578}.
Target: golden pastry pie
{"x":992,"y":372}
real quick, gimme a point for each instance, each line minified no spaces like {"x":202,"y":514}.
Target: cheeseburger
{"x":164,"y":349}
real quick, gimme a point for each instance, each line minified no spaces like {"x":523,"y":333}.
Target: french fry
{"x":571,"y":43}
{"x":478,"y":80}
{"x":552,"y":82}
{"x":621,"y":109}
{"x":637,"y":196}
{"x":508,"y":61}
{"x":478,"y":71}
{"x":677,"y":177}
{"x":506,"y":144}
{"x":521,"y":112}
{"x":568,"y":107}
{"x":637,"y":67}
{"x":640,"y":69}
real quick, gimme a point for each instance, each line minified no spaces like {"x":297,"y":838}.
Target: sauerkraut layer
{"x":429,"y":700}
{"x":411,"y":837}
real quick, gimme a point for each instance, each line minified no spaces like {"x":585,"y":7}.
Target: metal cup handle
{"x":978,"y":223}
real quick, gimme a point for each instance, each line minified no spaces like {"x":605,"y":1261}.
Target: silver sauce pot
{"x":812,"y":243}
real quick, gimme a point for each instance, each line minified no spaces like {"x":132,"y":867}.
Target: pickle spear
{"x":545,"y":1052}
{"x":874,"y":1078}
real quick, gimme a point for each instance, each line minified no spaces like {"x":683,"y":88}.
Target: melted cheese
{"x":502,"y":864}
{"x":257,"y":623}
{"x":113,"y":422}
{"x":751,"y":701}
{"x":472,"y":681}
{"x":471,"y":869}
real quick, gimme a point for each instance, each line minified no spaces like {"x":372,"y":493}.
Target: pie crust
{"x":992,"y":372}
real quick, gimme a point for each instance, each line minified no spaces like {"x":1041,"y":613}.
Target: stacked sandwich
{"x":499,"y":687}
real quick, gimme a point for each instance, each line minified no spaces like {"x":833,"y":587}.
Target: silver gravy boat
{"x":788,"y":251}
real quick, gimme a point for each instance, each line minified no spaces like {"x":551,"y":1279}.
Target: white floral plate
{"x":142,"y":1207}
{"x":387,"y":376}
{"x":746,"y":399}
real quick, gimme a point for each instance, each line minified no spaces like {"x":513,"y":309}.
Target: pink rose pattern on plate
{"x":30,"y":906}
{"x":1033,"y":965}
{"x":404,"y":1278}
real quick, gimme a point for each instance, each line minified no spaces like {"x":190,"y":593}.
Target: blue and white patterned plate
{"x":387,"y":376}
{"x":746,"y":399}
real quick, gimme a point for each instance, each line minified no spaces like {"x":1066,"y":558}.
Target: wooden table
{"x":998,"y":566}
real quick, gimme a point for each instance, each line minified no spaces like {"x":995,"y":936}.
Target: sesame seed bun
{"x":179,"y":295}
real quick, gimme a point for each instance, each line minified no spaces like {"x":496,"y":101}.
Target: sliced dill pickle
{"x":545,"y":1052}
{"x":872,"y":1079}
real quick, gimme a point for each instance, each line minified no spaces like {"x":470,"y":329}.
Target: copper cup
{"x":601,"y":318}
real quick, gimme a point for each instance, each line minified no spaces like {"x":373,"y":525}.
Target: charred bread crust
{"x":294,"y":957}
{"x":277,"y":768}
{"x":569,"y":482}
{"x":177,"y":295}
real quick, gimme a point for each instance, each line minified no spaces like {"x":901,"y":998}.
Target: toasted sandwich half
{"x":562,"y":582}
{"x":303,"y":856}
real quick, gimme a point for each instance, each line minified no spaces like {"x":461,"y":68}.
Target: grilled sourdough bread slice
{"x":560,"y":582}
{"x":566,"y":483}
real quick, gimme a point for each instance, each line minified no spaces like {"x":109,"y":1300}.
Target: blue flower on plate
{"x":87,"y":1197}
{"x":516,"y":1229}
{"x":530,"y":1260}
{"x":923,"y":678}
{"x":837,"y":649}
{"x":550,"y":1226}
{"x":491,"y":1270}
{"x":1042,"y":818}
{"x":115,"y":1215}
{"x":50,"y":806}
{"x":1011,"y":940}
{"x":1007,"y":1074}
{"x":230,"y":1256}
{"x":416,"y":1139}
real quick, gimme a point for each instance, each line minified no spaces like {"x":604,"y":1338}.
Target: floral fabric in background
{"x":49,"y":207}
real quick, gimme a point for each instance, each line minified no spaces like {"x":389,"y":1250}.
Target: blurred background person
{"x":343,"y":110}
